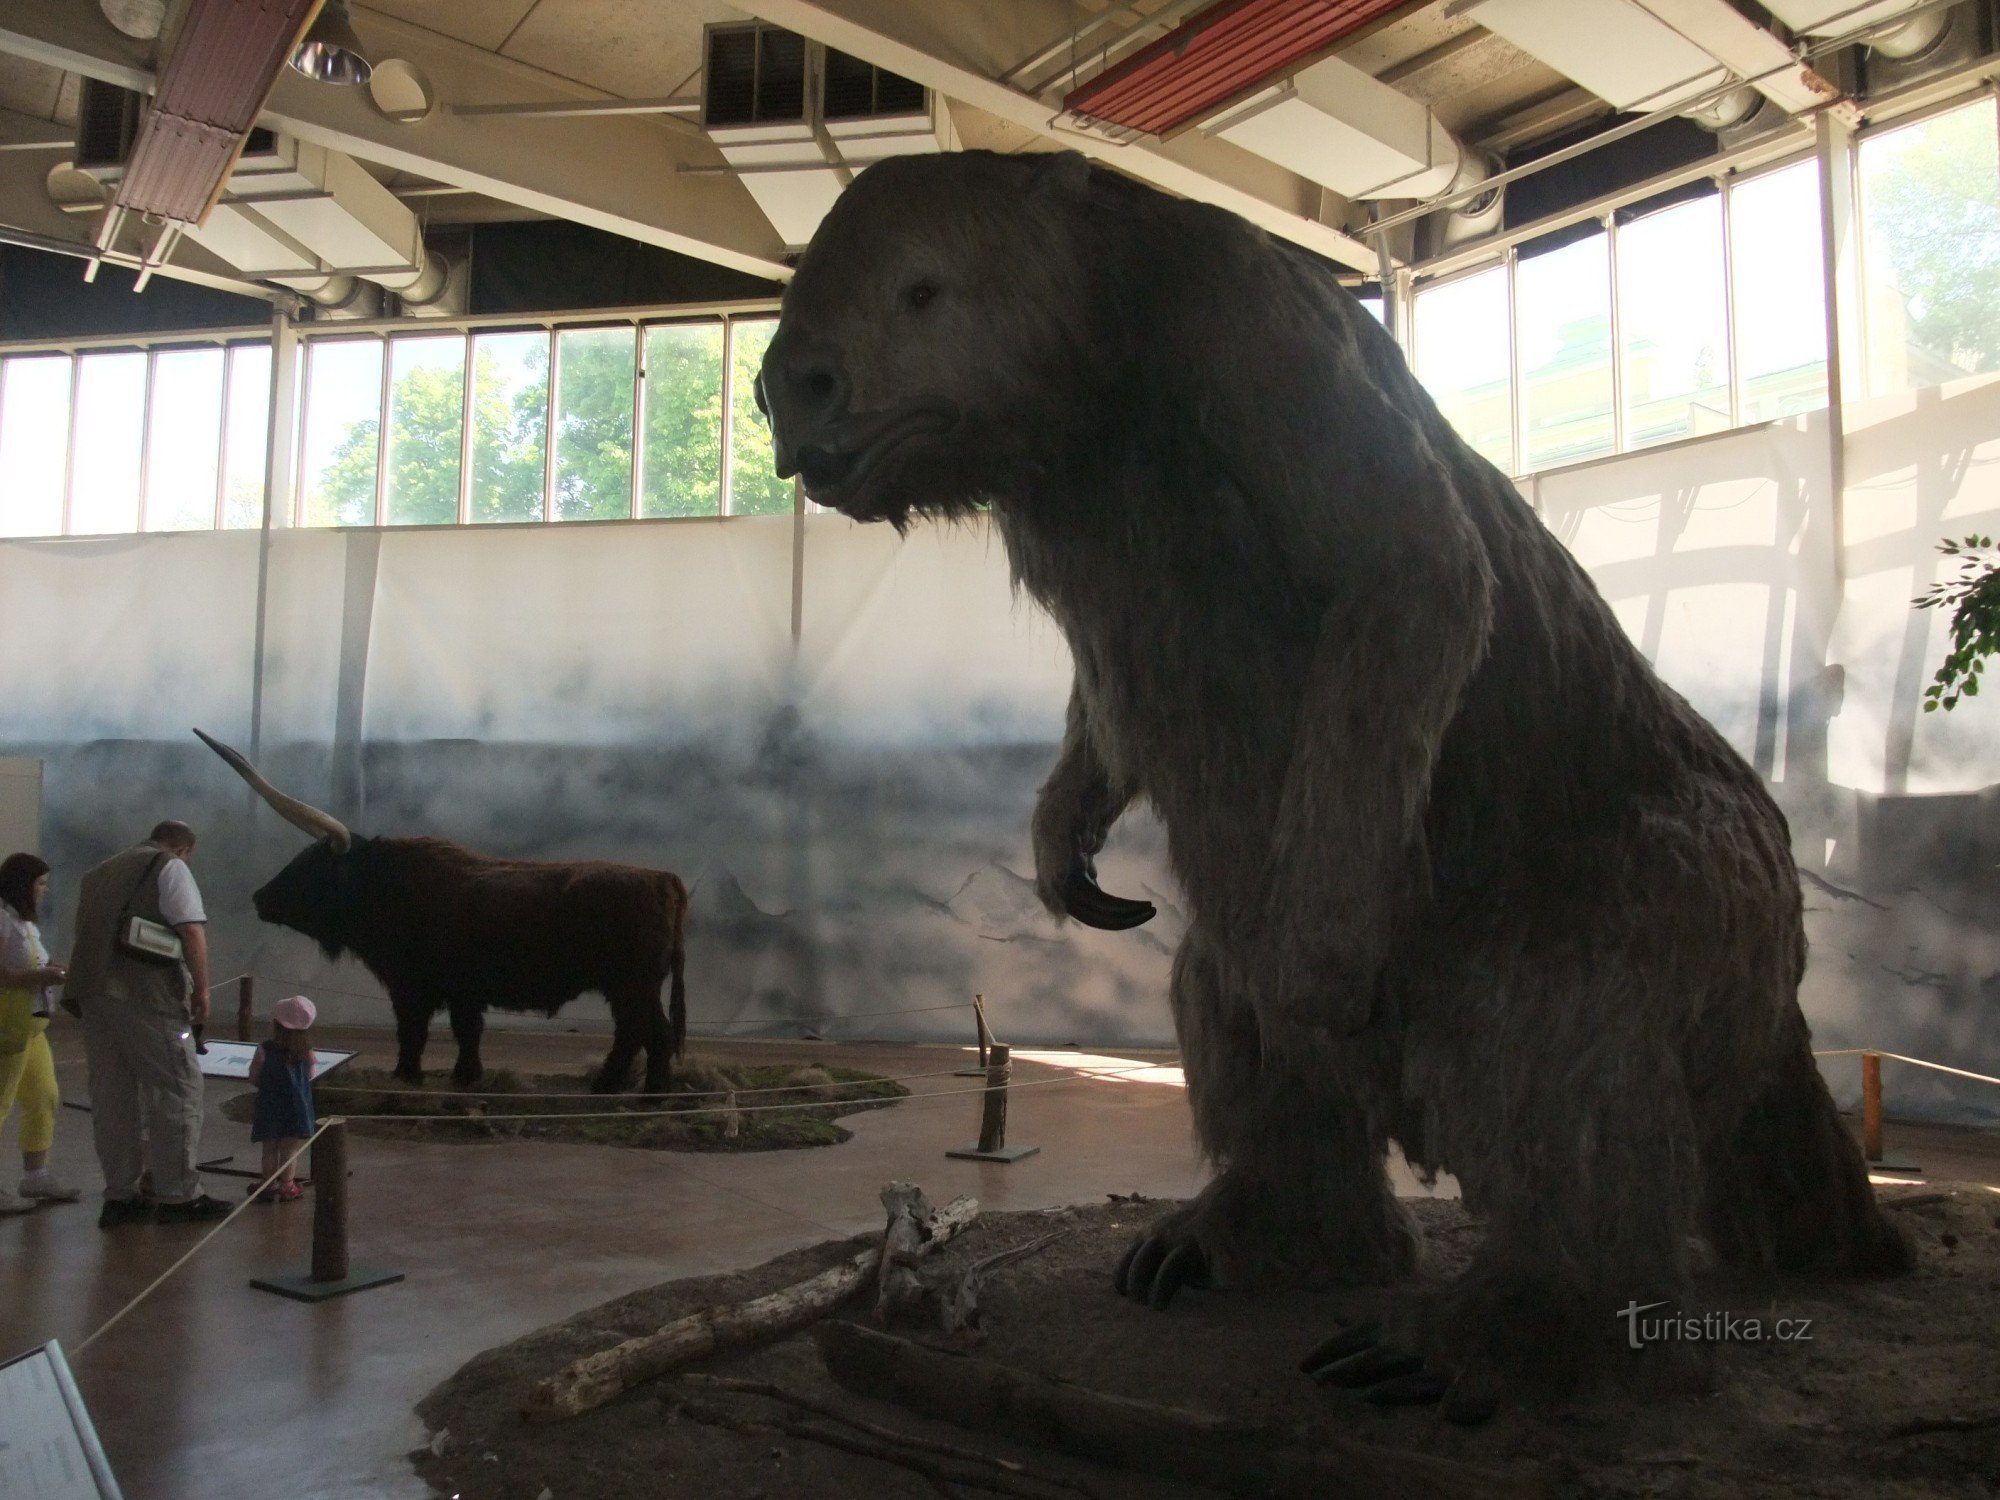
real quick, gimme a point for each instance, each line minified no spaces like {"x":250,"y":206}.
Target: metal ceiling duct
{"x":1627,"y":56}
{"x":1336,"y":126}
{"x":1216,"y":57}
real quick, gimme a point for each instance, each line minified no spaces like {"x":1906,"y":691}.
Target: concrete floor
{"x":210,"y":1390}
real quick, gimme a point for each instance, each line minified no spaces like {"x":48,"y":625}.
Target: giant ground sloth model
{"x":1463,"y":874}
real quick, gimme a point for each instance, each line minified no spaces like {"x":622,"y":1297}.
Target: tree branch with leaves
{"x":1973,"y":598}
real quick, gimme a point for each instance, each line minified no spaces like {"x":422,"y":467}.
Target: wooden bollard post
{"x":1871,"y":1121}
{"x":329,"y":1170}
{"x":1871,"y":1106}
{"x":985,"y":1036}
{"x":330,"y":1274}
{"x":992,"y":1144}
{"x":246,"y":1009}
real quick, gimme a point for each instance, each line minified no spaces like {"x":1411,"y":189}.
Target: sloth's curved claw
{"x":1384,"y":1374}
{"x":1083,"y":899}
{"x":1154,"y":1268}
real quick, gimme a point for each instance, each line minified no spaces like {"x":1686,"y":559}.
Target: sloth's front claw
{"x":1157,"y":1266}
{"x":1083,"y":899}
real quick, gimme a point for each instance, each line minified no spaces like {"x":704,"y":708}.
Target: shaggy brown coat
{"x":1463,"y":873}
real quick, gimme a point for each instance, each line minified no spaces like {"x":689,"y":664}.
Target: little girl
{"x":282,"y":1070}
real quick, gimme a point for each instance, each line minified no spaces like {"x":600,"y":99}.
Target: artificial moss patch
{"x":779,"y":1107}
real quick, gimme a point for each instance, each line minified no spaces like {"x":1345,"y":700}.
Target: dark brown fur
{"x":1463,"y":873}
{"x":446,"y":929}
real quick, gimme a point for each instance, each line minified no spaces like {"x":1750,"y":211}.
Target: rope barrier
{"x":198,"y":1246}
{"x":1913,"y":1061}
{"x":752,"y":1109}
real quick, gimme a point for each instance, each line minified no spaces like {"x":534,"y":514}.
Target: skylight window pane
{"x":184,"y":440}
{"x":343,"y":428}
{"x":1779,"y":284}
{"x":1562,"y":318}
{"x":594,"y":372}
{"x":1930,"y":213}
{"x":510,"y":425}
{"x":246,"y":432}
{"x":109,"y":429}
{"x":1673,"y":322}
{"x":426,"y":419}
{"x":1461,"y":341}
{"x":34,"y":431}
{"x":683,"y":421}
{"x":754,"y":486}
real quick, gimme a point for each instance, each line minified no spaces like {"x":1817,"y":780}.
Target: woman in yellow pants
{"x":27,"y":994}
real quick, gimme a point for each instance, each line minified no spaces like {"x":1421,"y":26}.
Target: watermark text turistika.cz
{"x":1708,"y":1327}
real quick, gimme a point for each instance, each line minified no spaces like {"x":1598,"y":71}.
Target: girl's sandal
{"x":287,"y":1193}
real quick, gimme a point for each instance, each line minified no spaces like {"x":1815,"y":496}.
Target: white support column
{"x":1846,"y":352}
{"x":277,"y":503}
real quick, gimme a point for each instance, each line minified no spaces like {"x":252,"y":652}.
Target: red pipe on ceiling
{"x":1212,"y":57}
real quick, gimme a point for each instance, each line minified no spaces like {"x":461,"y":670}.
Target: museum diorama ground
{"x":209,"y":1390}
{"x":1894,"y":1390}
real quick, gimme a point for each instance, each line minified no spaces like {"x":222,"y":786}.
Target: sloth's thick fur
{"x":1463,"y":873}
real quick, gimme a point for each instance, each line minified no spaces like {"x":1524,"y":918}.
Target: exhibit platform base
{"x":303,"y":1288}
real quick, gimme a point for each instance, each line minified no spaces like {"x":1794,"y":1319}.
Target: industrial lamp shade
{"x":331,"y":52}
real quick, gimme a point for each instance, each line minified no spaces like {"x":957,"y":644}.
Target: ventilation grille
{"x":855,"y":90}
{"x":757,"y":75}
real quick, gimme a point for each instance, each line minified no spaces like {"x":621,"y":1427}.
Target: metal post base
{"x":302,"y":1288}
{"x":1002,"y":1153}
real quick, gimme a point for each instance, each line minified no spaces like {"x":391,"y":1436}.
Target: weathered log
{"x":1123,"y":1433}
{"x":589,"y":1382}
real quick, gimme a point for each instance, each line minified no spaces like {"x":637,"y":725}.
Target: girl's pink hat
{"x":294,"y":1013}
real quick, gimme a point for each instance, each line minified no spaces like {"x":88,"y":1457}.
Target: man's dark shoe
{"x":195,"y":1211}
{"x":118,"y":1212}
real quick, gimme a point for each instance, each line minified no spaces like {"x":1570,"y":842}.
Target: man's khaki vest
{"x":99,"y":970}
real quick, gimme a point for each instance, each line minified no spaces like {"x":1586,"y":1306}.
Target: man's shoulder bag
{"x":141,"y":938}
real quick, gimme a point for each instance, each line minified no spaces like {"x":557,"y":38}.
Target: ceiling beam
{"x":926,"y":43}
{"x":616,"y":173}
{"x":1748,"y":51}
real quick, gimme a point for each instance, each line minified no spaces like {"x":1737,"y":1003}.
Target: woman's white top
{"x":21,"y":948}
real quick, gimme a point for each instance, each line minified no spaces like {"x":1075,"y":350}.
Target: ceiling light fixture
{"x":330,"y":51}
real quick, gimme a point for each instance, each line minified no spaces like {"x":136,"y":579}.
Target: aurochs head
{"x":933,"y":340}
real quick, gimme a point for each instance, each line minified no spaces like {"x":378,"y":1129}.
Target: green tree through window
{"x":681,"y":422}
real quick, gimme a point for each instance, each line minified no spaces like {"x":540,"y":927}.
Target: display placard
{"x":232,"y":1059}
{"x":48,"y":1446}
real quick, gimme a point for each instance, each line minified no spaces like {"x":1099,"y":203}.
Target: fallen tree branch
{"x":587,"y":1383}
{"x":1921,"y":1426}
{"x":1139,"y":1436}
{"x":942,"y":1466}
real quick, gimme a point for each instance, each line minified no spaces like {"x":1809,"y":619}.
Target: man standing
{"x":139,"y":1002}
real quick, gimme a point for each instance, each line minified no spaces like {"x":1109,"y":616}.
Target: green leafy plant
{"x":1974,"y":600}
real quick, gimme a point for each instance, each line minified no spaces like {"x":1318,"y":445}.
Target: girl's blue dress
{"x":284,"y":1099}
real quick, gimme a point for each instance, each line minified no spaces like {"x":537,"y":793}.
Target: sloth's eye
{"x":920,"y":296}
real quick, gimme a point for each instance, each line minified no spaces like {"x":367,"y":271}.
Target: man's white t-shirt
{"x":180,"y":898}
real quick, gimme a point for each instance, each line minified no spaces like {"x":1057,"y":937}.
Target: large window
{"x":426,"y":424}
{"x":341,"y":448}
{"x":510,"y":425}
{"x":246,"y":435}
{"x":595,"y":371}
{"x":34,"y":443}
{"x":1930,"y":211}
{"x":682,"y":458}
{"x":183,"y":440}
{"x":1673,"y":323}
{"x":108,"y":443}
{"x":1778,"y":276}
{"x":1714,"y":303}
{"x":1462,"y":343}
{"x":1562,"y":323}
{"x":754,"y":486}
